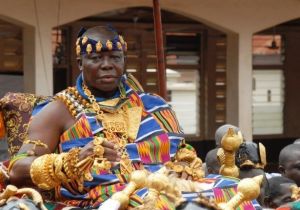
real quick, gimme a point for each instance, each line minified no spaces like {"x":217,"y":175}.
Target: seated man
{"x":105,"y":125}
{"x":289,"y":162}
{"x":90,"y":144}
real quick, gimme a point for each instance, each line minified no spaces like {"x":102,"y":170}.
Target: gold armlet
{"x":42,"y":172}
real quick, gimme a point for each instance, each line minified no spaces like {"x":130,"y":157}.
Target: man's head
{"x":289,"y":162}
{"x":221,"y":131}
{"x":212,"y":162}
{"x":297,"y":141}
{"x":101,"y":58}
{"x":278,"y":191}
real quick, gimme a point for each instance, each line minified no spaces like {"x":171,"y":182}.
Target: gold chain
{"x":125,"y":163}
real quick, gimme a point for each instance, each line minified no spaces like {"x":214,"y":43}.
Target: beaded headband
{"x":86,"y":45}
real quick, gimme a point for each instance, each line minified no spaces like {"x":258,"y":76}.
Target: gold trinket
{"x":121,"y":39}
{"x":119,"y":46}
{"x":84,"y":40}
{"x":229,"y":143}
{"x":78,"y":49}
{"x":89,"y":49}
{"x":98,"y":46}
{"x":109,"y":45}
{"x":77,"y":41}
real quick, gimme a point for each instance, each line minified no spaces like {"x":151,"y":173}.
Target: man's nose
{"x":106,"y":63}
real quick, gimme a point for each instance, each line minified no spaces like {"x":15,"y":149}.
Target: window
{"x":268,"y":85}
{"x":182,"y":59}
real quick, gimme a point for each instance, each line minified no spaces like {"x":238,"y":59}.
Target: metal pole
{"x":161,"y":67}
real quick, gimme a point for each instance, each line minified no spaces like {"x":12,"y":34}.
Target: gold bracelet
{"x":70,"y":161}
{"x":35,"y":143}
{"x":58,"y":168}
{"x":42,"y":172}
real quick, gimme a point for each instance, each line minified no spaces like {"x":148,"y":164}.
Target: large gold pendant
{"x":114,"y":122}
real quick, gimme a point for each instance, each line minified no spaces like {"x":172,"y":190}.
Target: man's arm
{"x":47,"y":126}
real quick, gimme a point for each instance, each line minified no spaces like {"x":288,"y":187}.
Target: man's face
{"x":292,"y":167}
{"x":284,"y":196}
{"x":103,"y":71}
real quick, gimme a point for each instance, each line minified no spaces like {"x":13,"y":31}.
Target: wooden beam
{"x":161,"y":68}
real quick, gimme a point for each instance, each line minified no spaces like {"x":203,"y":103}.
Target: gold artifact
{"x":229,"y":143}
{"x":11,"y":191}
{"x":98,"y":46}
{"x":137,"y":181}
{"x":186,"y":163}
{"x":51,"y":170}
{"x":295,"y":190}
{"x":247,"y":190}
{"x":89,"y":48}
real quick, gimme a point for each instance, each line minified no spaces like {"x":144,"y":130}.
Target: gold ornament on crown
{"x":99,"y":46}
{"x":84,"y":40}
{"x":89,"y":49}
{"x":109,"y":45}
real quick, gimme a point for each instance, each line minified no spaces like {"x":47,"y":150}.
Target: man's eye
{"x":116,"y":57}
{"x":94,"y":58}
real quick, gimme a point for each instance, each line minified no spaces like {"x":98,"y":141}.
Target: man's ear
{"x":281,"y":169}
{"x":79,"y":62}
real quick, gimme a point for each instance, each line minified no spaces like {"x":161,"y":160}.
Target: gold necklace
{"x":115,"y":129}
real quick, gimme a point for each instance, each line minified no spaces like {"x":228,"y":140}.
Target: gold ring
{"x":99,"y":151}
{"x":98,"y":140}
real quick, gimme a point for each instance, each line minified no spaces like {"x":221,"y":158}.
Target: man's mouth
{"x":108,"y":78}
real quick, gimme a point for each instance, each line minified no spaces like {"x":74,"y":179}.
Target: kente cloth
{"x":290,"y":206}
{"x":222,"y":190}
{"x":157,"y":140}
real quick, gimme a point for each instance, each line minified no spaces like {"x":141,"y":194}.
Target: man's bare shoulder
{"x":55,"y":114}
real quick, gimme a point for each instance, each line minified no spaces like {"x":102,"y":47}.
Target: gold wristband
{"x":42,"y":172}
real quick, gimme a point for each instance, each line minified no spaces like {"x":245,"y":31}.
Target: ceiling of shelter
{"x":235,"y":15}
{"x":140,"y":14}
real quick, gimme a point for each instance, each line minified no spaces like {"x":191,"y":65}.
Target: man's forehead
{"x":97,"y":35}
